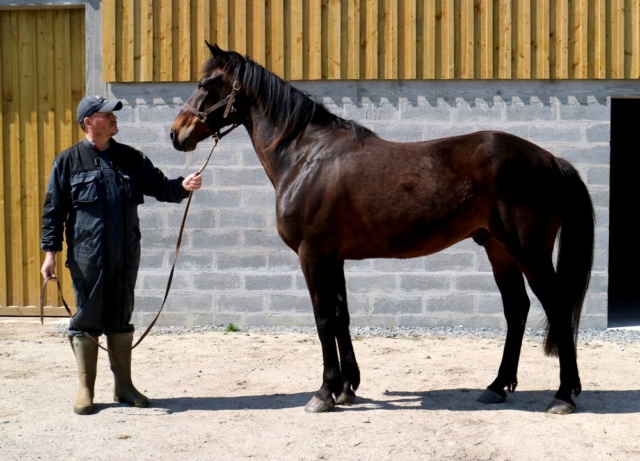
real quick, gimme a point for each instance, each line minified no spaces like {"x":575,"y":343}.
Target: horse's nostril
{"x":171,"y":135}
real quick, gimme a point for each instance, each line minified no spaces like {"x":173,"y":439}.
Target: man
{"x":93,"y":195}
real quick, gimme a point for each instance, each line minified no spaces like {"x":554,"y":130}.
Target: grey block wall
{"x":234,"y":268}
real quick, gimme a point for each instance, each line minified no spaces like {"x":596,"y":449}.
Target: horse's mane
{"x":289,"y":109}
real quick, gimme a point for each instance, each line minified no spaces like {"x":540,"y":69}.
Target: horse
{"x":344,"y":193}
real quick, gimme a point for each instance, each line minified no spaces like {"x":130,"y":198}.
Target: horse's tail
{"x":575,"y":251}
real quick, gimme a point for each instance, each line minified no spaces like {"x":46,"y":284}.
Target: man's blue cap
{"x":92,"y":104}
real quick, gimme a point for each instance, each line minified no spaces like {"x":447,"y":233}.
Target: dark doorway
{"x":624,"y":241}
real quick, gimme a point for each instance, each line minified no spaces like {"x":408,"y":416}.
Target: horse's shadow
{"x":596,"y":402}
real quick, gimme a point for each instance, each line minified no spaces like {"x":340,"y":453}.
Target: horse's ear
{"x":213,"y":48}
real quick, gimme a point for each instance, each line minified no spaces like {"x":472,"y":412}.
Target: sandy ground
{"x":230,"y":396}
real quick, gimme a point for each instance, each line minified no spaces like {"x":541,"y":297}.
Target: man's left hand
{"x":192,"y":182}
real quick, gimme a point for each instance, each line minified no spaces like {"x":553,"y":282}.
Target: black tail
{"x":575,"y":250}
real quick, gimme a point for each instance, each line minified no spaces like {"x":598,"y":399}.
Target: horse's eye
{"x":205,"y":82}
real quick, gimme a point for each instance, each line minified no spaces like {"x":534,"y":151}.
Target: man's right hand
{"x":49,"y":266}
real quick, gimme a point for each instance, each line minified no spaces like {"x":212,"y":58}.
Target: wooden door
{"x":42,"y":79}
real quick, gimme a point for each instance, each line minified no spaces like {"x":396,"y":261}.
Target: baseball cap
{"x":92,"y":104}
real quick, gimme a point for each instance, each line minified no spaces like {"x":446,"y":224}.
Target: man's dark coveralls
{"x":94,"y":196}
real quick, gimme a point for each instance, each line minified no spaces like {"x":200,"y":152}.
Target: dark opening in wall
{"x":624,"y":207}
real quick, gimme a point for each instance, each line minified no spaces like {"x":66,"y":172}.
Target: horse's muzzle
{"x":175,"y":140}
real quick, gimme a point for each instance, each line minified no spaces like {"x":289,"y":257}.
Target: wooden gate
{"x":42,"y":79}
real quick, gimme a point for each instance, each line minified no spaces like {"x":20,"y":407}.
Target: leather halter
{"x":228,"y":102}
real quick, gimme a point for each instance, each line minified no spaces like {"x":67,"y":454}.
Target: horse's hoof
{"x":346,"y":398}
{"x":488,"y":396}
{"x":315,"y":405}
{"x":560,"y":407}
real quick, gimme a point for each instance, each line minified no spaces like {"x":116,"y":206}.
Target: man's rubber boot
{"x":119,"y":346}
{"x":86,"y":352}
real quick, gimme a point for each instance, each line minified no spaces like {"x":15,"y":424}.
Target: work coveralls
{"x":94,"y":196}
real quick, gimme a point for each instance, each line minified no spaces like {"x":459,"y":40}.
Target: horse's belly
{"x":403,"y":243}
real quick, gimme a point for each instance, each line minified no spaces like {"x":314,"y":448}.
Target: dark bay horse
{"x":344,"y":193}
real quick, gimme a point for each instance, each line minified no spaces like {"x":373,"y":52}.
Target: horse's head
{"x":211,"y":106}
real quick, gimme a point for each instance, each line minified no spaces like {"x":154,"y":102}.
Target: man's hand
{"x":49,"y":266}
{"x":192,"y":182}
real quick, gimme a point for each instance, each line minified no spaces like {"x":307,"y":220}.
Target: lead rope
{"x":216,"y":138}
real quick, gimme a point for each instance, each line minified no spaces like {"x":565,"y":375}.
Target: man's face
{"x":104,"y":124}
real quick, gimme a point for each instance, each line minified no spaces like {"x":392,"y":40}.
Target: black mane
{"x":288,"y":108}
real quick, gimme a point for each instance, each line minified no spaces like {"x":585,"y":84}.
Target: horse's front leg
{"x":320,"y":276}
{"x":348,"y":364}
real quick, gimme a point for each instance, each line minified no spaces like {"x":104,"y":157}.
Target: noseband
{"x":228,"y":101}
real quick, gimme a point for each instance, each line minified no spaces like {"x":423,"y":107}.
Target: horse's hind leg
{"x":544,"y":285}
{"x":516,"y":305}
{"x":348,"y":365}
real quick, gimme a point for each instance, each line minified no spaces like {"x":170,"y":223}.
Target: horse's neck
{"x":275,"y":160}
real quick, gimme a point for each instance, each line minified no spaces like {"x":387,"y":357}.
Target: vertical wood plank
{"x":634,"y":32}
{"x":467,"y":35}
{"x":109,"y":41}
{"x":580,"y":33}
{"x":239,"y":30}
{"x":221,"y":24}
{"x":407,"y":39}
{"x":127,"y":41}
{"x":257,"y":31}
{"x":429,"y":39}
{"x":598,"y":39}
{"x":447,"y":39}
{"x":617,"y":39}
{"x":562,"y":39}
{"x":174,"y":33}
{"x":334,"y":39}
{"x":313,"y":40}
{"x":22,"y":164}
{"x":137,"y":40}
{"x":485,"y":45}
{"x":77,"y":70}
{"x":224,"y":23}
{"x":351,"y":24}
{"x":202,"y":34}
{"x":522,"y":56}
{"x":502,"y":37}
{"x":6,"y":91}
{"x":389,"y":50}
{"x":184,"y":42}
{"x":275,"y":39}
{"x":370,"y":38}
{"x":540,"y":39}
{"x":46,"y":129}
{"x":627,"y":36}
{"x":296,"y":42}
{"x":146,"y":40}
{"x":165,"y":41}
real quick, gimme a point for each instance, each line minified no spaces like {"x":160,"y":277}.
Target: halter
{"x":228,"y":101}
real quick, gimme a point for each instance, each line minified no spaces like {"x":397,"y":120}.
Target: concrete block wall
{"x":233,"y":267}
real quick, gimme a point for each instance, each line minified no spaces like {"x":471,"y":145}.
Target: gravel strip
{"x":623,"y":336}
{"x":585,"y":336}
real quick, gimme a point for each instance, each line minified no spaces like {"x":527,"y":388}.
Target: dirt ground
{"x":235,"y":396}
